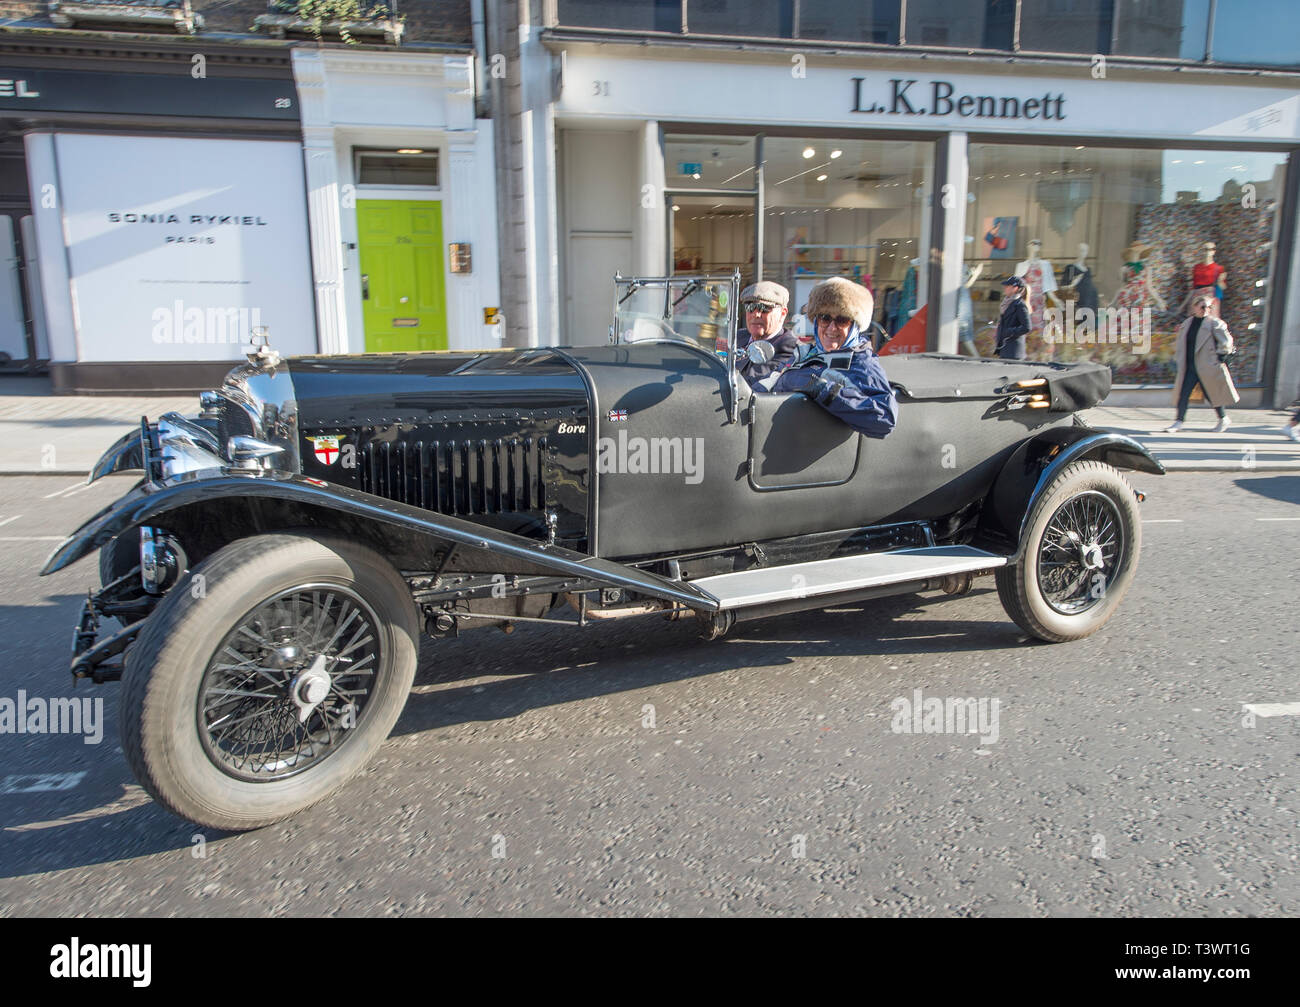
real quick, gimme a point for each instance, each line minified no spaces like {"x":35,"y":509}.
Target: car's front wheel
{"x":267,"y":677}
{"x":1079,"y":555}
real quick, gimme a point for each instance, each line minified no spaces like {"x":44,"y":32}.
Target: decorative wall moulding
{"x":281,"y":25}
{"x":126,"y":14}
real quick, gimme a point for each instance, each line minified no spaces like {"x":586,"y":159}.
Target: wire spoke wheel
{"x":289,"y":682}
{"x":1079,"y":552}
{"x":267,"y":690}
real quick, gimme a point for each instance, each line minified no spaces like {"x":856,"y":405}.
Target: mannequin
{"x":1209,"y":277}
{"x":907,"y":302}
{"x":1041,"y":280}
{"x":1077,"y":282}
{"x":966,"y":312}
{"x":1136,"y":291}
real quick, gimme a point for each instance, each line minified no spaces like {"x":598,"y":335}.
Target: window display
{"x":1142,"y":230}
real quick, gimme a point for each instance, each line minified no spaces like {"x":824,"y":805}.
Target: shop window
{"x":850,"y":20}
{"x":1259,"y":32}
{"x":410,"y":166}
{"x":1082,"y":26}
{"x":852,"y":208}
{"x":760,"y":18}
{"x":1170,"y":28}
{"x":708,"y":162}
{"x":629,"y":15}
{"x":1113,"y":242}
{"x":713,"y":235}
{"x":987,"y":25}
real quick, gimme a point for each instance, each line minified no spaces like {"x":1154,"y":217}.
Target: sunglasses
{"x":759,"y":308}
{"x":840,"y":320}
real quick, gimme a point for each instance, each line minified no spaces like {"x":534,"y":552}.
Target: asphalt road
{"x":524,"y":777}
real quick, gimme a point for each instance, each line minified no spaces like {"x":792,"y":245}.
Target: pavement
{"x":44,"y":434}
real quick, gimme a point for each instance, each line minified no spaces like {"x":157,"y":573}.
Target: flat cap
{"x":766,"y":290}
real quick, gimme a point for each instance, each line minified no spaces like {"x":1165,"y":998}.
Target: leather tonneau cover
{"x":921,"y":376}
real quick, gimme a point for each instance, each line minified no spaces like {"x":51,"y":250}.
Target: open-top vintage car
{"x":272,"y":573}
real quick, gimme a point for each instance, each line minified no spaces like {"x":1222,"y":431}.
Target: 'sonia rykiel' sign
{"x":905,"y":97}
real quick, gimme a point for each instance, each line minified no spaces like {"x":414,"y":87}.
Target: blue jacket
{"x":786,"y":347}
{"x":856,"y":390}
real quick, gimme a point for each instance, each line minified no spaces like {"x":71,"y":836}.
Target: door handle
{"x":365,"y":286}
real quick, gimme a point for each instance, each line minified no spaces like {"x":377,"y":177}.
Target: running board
{"x":847,"y":573}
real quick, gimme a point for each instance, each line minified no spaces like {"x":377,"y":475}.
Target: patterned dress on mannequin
{"x":1134,"y":293}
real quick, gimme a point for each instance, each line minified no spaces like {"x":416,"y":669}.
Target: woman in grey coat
{"x":1203,"y":340}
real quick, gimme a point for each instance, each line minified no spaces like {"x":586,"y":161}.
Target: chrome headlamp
{"x":186,"y":446}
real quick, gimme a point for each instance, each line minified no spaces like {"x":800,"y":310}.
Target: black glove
{"x":825,"y":386}
{"x":1228,"y":357}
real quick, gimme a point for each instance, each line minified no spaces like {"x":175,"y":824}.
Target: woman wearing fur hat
{"x":840,"y":372}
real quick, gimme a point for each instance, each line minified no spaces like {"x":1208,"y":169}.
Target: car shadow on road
{"x":80,"y":831}
{"x":1285,"y":489}
{"x":547,"y":669}
{"x":110,"y":819}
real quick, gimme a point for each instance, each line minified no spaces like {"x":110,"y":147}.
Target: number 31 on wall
{"x":600,"y":88}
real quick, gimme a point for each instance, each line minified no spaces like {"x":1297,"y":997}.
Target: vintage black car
{"x":273,"y":572}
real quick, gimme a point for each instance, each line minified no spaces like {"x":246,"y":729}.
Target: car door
{"x":796,"y":444}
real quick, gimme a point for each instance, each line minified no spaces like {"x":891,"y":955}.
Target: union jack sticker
{"x":617,"y":414}
{"x":327,"y":448}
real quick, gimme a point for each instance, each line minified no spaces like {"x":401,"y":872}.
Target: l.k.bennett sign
{"x":904,"y":96}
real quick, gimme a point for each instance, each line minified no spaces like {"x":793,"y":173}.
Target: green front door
{"x":403,"y":302}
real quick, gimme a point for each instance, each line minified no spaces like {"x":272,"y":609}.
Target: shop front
{"x":165,"y":216}
{"x":1116,"y":196}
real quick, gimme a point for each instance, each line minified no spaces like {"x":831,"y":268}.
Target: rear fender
{"x":1035,"y":463}
{"x":218,"y":508}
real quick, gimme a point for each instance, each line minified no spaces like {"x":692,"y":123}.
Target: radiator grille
{"x":458,"y":477}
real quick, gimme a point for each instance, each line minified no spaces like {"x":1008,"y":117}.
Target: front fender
{"x":1035,"y":463}
{"x":125,"y":454}
{"x":150,"y":503}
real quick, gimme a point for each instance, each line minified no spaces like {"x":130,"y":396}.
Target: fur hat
{"x":838,"y":296}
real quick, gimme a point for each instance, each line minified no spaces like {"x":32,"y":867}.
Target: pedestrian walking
{"x":1013,"y":321}
{"x":1204,"y":344}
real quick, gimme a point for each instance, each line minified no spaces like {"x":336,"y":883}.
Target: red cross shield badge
{"x":327,"y":449}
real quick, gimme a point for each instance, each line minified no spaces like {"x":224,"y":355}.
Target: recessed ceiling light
{"x":836,"y":153}
{"x":809,"y":152}
{"x":676,"y":208}
{"x":410,"y":150}
{"x":821,"y":178}
{"x":1079,"y":147}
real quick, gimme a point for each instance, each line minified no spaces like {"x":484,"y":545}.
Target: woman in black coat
{"x":1013,"y":325}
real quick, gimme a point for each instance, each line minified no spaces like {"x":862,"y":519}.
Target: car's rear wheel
{"x":267,"y":677}
{"x":1079,"y":555}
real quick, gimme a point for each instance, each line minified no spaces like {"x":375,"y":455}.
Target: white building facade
{"x":398,"y":172}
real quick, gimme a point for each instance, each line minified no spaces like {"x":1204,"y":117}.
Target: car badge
{"x":617,"y":414}
{"x":327,"y":448}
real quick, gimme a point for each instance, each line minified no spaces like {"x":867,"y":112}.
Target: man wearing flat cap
{"x":841,"y":372}
{"x":766,"y":305}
